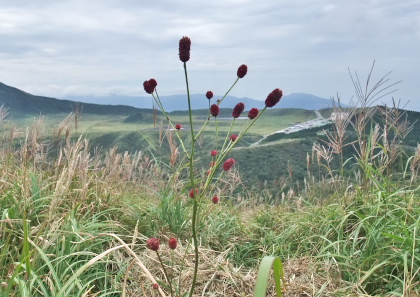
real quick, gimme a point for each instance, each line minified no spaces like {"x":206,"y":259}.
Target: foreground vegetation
{"x":76,"y":221}
{"x":76,"y":225}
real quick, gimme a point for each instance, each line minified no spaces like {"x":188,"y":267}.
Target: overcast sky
{"x":64,"y":48}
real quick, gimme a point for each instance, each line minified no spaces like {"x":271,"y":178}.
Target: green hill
{"x":21,"y":103}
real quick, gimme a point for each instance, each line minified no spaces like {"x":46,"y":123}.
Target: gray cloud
{"x":60,"y":48}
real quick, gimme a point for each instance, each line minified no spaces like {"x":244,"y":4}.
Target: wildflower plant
{"x":201,"y":188}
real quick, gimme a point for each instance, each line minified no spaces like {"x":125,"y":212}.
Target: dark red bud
{"x":153,"y":244}
{"x":253,"y":113}
{"x":228,"y":164}
{"x":273,"y":98}
{"x":184,"y":49}
{"x":215,"y":110}
{"x":242,"y":70}
{"x":209,"y":95}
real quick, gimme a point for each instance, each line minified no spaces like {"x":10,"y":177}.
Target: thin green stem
{"x":252,"y":123}
{"x":237,"y":79}
{"x":165,"y":273}
{"x":226,"y":149}
{"x":227,"y":138}
{"x":202,"y":128}
{"x":210,"y":177}
{"x":208,"y":119}
{"x":195,"y":202}
{"x":173,"y":269}
{"x":159,"y":103}
{"x":182,"y":267}
{"x":217,"y":132}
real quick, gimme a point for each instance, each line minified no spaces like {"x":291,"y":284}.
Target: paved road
{"x":318,"y":114}
{"x":319,"y":121}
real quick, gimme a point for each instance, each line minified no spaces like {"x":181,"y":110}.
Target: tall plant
{"x":201,"y":190}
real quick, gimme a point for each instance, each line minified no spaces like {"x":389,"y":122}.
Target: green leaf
{"x":264,"y":273}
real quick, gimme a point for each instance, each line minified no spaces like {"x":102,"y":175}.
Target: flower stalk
{"x":192,"y":184}
{"x":202,"y":188}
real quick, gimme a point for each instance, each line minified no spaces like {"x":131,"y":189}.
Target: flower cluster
{"x":233,"y":137}
{"x":273,"y":98}
{"x":215,"y":110}
{"x":178,"y":126}
{"x":242,"y":70}
{"x":184,"y":49}
{"x":214,"y":153}
{"x":215,"y":199}
{"x":239,"y":108}
{"x":150,"y":85}
{"x":228,"y":164}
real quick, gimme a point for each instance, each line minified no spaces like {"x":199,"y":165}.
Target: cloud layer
{"x":62,"y":48}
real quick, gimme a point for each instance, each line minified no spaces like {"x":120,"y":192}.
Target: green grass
{"x":62,"y":217}
{"x":272,"y":121}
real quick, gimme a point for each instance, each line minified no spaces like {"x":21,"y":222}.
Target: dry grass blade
{"x":4,"y":111}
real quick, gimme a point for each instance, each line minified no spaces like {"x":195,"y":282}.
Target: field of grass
{"x":76,"y":223}
{"x":92,"y":123}
{"x":138,"y":133}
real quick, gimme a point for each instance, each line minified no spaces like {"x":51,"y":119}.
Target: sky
{"x":78,"y":48}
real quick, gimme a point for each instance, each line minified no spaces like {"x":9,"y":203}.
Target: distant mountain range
{"x":199,"y":101}
{"x":18,"y":101}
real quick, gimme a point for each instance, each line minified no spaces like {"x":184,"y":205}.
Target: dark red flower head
{"x":215,"y":199}
{"x":273,"y":98}
{"x":215,"y":110}
{"x":155,"y":286}
{"x":172,"y":243}
{"x":178,"y":126}
{"x":239,"y":108}
{"x":228,"y":164}
{"x":193,"y":193}
{"x":184,"y":49}
{"x":233,"y":137}
{"x":153,"y":244}
{"x":209,"y":95}
{"x":150,"y":85}
{"x":242,"y":70}
{"x":253,"y":113}
{"x":214,"y":153}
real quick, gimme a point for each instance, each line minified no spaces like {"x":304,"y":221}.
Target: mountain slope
{"x":305,"y":101}
{"x":20,"y":102}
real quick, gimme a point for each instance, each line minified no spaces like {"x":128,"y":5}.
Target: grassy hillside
{"x":277,"y":156}
{"x":77,"y":223}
